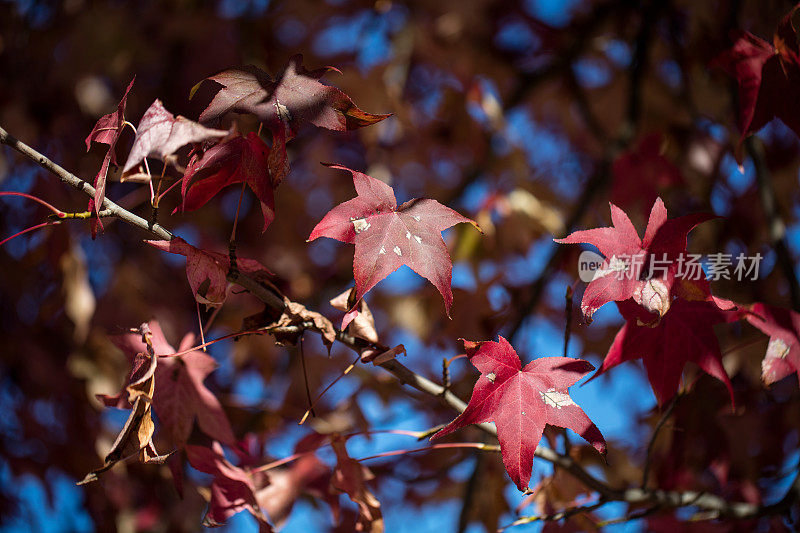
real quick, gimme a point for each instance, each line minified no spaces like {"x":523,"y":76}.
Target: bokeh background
{"x":517,"y":114}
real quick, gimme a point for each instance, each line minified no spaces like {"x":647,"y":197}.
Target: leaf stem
{"x":35,"y":199}
{"x":26,"y":230}
{"x":236,"y":218}
{"x":168,"y":189}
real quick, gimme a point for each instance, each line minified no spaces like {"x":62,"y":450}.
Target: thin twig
{"x":560,"y":515}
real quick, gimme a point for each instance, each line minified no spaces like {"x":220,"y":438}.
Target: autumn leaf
{"x":359,"y":322}
{"x":233,"y":489}
{"x":160,"y":134}
{"x":783,"y":351}
{"x":387,"y":236}
{"x":108,"y":127}
{"x":520,"y":401}
{"x":622,"y":277}
{"x":237,"y":160}
{"x":207,"y":271}
{"x":666,"y":344}
{"x":766,"y":74}
{"x":136,"y":436}
{"x":106,"y":131}
{"x":295,"y":314}
{"x":285,"y":104}
{"x":180,"y":397}
{"x":350,"y":477}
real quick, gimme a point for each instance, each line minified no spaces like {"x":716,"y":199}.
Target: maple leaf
{"x":285,"y":104}
{"x":207,"y":271}
{"x":783,"y":351}
{"x":520,"y":401}
{"x":180,"y":397}
{"x":106,"y":131}
{"x":643,"y":171}
{"x":160,"y":134}
{"x":621,"y":277}
{"x":240,"y":159}
{"x":387,"y":236}
{"x":351,"y":477}
{"x":766,"y":73}
{"x":233,"y":489}
{"x":667,"y":343}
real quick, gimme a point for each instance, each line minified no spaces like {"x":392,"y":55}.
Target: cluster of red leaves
{"x":179,"y":398}
{"x":669,"y":318}
{"x":285,"y":104}
{"x":170,"y":383}
{"x":621,"y":277}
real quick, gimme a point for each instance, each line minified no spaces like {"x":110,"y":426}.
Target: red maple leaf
{"x":520,"y":401}
{"x":387,"y":236}
{"x":626,"y":271}
{"x":207,"y":271}
{"x":766,"y":74}
{"x":233,"y":489}
{"x":160,"y":134}
{"x":106,"y":131}
{"x":783,"y":351}
{"x":667,"y":343}
{"x":285,"y":104}
{"x":640,"y":173}
{"x":240,"y":159}
{"x":180,"y":396}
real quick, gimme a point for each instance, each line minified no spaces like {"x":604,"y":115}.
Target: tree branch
{"x":77,"y":183}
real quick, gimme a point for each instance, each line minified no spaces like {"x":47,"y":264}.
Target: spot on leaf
{"x":554,"y":398}
{"x":360,"y":224}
